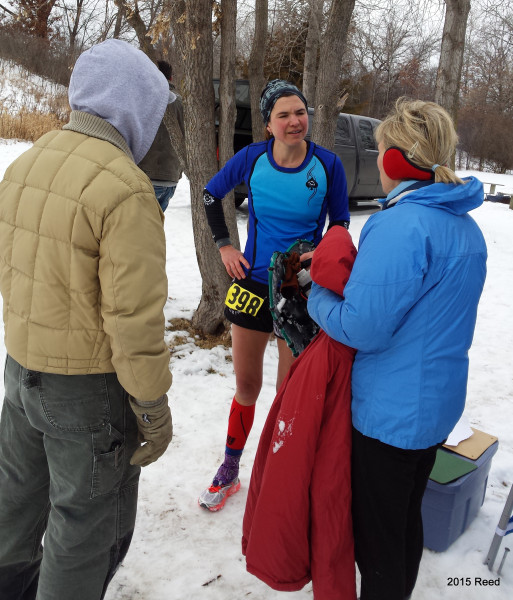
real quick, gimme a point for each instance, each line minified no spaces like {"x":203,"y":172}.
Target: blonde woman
{"x":409,"y":310}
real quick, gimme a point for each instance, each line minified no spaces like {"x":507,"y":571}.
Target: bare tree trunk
{"x":200,"y":145}
{"x":256,"y":67}
{"x":192,"y":27}
{"x":448,"y":77}
{"x":176,"y":11}
{"x":327,"y":101}
{"x":43,"y":10}
{"x":313,"y":40}
{"x":228,"y":109}
{"x":177,"y":138}
{"x":33,"y":15}
{"x":74,"y":23}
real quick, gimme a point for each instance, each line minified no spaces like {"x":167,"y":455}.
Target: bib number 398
{"x":241,"y":300}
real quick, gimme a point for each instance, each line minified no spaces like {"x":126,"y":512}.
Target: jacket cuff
{"x":223,"y":242}
{"x":149,"y":404}
{"x":341,"y":223}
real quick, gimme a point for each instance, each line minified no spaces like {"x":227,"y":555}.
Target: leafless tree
{"x":81,"y":24}
{"x":227,"y":108}
{"x":256,"y":66}
{"x":7,"y":10}
{"x":327,"y":95}
{"x":391,"y":50}
{"x":73,"y":18}
{"x":485,"y":116}
{"x":285,"y":52}
{"x":134,"y":18}
{"x":451,"y":55}
{"x":191,"y":22}
{"x":34,"y":16}
{"x":313,"y":40}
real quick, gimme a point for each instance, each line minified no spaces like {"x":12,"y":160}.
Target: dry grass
{"x":30,"y":106}
{"x":26,"y":125}
{"x":201,"y":340}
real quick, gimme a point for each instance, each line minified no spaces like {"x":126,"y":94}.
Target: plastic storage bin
{"x":447,"y":510}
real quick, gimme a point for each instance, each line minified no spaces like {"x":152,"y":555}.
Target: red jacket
{"x":297,"y":524}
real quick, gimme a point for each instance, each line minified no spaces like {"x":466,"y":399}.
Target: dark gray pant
{"x":65,"y":448}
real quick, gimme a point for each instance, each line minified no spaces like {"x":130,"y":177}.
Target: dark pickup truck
{"x":354,"y":144}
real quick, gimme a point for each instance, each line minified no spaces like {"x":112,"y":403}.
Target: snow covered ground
{"x":21,"y":89}
{"x":180,"y":552}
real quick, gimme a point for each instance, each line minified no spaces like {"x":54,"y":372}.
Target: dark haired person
{"x":161,"y":162}
{"x":293,"y":185}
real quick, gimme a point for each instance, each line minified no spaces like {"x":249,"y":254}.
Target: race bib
{"x":241,"y":300}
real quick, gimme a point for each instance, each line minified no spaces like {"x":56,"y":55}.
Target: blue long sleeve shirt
{"x":284,"y":204}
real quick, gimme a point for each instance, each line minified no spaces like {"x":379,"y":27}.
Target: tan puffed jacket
{"x":82,"y":260}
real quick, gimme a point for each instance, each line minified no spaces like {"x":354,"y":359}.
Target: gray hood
{"x":115,"y":81}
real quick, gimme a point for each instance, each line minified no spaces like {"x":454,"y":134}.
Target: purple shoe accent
{"x":228,"y":471}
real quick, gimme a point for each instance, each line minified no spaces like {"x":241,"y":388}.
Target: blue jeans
{"x":65,"y":448}
{"x":164,"y":195}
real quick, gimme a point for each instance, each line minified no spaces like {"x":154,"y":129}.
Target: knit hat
{"x":276,"y":89}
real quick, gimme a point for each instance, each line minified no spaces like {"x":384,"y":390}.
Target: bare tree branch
{"x":7,"y":10}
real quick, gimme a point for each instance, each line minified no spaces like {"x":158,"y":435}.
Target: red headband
{"x":397,"y":166}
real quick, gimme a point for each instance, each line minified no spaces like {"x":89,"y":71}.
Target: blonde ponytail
{"x":425,"y":131}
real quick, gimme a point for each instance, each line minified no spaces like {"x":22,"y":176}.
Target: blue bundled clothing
{"x":285,"y":204}
{"x":410,"y":309}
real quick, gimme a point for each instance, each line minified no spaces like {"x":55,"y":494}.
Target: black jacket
{"x":161,"y":162}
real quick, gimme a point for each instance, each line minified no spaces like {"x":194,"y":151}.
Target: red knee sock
{"x":239,"y":426}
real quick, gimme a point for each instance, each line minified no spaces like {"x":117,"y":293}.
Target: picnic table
{"x":500,"y":197}
{"x":492,"y":185}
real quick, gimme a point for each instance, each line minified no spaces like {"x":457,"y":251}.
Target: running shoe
{"x":214,"y":498}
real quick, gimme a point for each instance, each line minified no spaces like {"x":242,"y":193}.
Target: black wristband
{"x":341,"y":223}
{"x":223,"y":242}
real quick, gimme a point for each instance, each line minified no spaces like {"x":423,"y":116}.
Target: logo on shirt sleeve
{"x":208,"y":199}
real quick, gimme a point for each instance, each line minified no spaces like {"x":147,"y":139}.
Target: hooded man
{"x":83,"y":280}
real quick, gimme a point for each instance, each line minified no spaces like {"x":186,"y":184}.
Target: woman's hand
{"x":304,"y":257}
{"x":233,"y":260}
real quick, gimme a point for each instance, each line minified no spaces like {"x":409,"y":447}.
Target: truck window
{"x":342,"y":133}
{"x":242,"y":93}
{"x":243,"y":119}
{"x":367,"y":135}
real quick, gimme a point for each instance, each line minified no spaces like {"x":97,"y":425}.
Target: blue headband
{"x":276,"y":89}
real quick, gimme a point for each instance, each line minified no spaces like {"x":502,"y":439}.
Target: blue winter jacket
{"x":410,"y":310}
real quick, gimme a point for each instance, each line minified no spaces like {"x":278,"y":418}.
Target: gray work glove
{"x":155,"y":429}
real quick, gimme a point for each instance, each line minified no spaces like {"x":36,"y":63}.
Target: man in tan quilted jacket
{"x":83,"y":280}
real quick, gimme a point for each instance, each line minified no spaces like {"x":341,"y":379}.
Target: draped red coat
{"x":297,"y":525}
